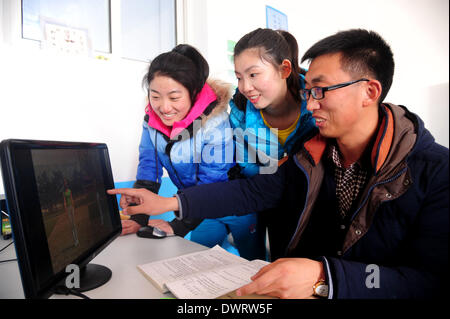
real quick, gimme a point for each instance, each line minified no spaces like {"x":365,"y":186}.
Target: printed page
{"x":216,"y":282}
{"x":167,"y":270}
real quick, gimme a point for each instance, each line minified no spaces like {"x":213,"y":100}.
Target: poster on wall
{"x":276,"y":19}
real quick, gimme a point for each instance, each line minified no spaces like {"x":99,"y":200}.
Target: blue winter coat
{"x":249,"y":120}
{"x":204,"y":158}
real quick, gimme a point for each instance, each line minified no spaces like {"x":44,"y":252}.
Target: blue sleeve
{"x":149,"y":167}
{"x":238,"y":123}
{"x":352,"y":279}
{"x":236,"y":116}
{"x":217,"y":153}
{"x":236,"y":197}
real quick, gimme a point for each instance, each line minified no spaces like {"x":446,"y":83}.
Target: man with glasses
{"x":363,"y":203}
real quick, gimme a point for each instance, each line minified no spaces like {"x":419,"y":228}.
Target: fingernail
{"x":238,"y":293}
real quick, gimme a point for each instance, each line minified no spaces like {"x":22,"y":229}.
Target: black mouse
{"x":151,"y":232}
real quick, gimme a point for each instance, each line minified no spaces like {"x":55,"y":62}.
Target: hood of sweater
{"x":213,"y":90}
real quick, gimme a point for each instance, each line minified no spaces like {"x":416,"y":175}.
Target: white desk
{"x":121,"y":256}
{"x":10,"y":283}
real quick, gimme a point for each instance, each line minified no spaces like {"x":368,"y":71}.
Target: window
{"x":148,"y":28}
{"x":90,"y":15}
{"x":143,"y":28}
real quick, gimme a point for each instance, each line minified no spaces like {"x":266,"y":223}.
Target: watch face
{"x":321,"y":290}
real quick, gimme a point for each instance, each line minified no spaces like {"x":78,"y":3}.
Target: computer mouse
{"x":151,"y":232}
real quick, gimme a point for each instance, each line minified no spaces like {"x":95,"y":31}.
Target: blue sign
{"x":275,"y":19}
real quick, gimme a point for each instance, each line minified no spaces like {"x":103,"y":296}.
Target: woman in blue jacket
{"x":269,"y":80}
{"x":268,"y":104}
{"x":186,"y":131}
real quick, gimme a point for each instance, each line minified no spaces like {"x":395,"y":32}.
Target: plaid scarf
{"x":349,"y":181}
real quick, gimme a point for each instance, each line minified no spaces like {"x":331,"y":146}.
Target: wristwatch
{"x":320,"y":289}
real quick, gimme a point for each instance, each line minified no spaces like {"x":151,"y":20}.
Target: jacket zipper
{"x":303,"y":210}
{"x":375,"y":185}
{"x":156,"y":155}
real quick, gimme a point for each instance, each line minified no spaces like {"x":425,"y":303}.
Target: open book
{"x":207,"y":274}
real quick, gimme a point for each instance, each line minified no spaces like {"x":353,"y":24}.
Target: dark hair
{"x":364,"y":54}
{"x":184,"y":64}
{"x":274,"y":46}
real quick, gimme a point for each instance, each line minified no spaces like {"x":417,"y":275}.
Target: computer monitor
{"x":59,"y":210}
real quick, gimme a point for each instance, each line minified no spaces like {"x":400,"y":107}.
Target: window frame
{"x":11,"y":27}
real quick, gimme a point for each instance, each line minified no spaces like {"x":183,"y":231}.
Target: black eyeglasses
{"x":318,"y":92}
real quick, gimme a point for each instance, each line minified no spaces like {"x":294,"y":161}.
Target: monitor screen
{"x":60,"y":212}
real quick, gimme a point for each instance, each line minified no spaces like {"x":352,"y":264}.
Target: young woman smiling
{"x":267,"y":100}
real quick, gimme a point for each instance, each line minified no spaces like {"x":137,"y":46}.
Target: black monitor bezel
{"x":32,"y":288}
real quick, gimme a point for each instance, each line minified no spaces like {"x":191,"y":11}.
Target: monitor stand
{"x":93,"y":276}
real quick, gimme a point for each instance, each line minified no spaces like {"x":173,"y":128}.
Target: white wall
{"x":50,"y":97}
{"x":53,"y":97}
{"x":45,"y":96}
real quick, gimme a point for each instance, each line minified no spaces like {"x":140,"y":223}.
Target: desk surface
{"x":121,"y":256}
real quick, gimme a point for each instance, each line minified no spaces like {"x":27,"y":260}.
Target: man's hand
{"x":287,"y":278}
{"x":147,"y":202}
{"x":161,"y":224}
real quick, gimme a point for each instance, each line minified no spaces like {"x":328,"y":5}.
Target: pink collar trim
{"x":204,"y":99}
